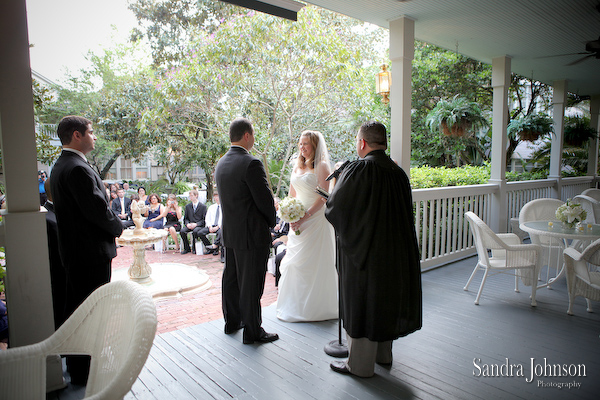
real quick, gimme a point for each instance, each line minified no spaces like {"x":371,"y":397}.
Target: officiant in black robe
{"x":380,"y":273}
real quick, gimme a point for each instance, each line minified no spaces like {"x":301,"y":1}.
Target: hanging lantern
{"x":383,"y":82}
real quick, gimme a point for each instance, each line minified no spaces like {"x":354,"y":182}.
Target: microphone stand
{"x":338,"y":348}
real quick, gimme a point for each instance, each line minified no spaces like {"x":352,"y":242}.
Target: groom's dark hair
{"x":374,"y":133}
{"x":238,"y":128}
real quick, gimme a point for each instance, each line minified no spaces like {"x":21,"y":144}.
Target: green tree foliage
{"x":285,"y":76}
{"x":46,"y":152}
{"x":442,"y":74}
{"x":169,"y":25}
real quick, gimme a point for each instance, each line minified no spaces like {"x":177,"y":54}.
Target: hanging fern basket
{"x":456,"y":130}
{"x":530,"y":135}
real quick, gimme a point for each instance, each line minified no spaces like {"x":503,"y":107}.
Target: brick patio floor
{"x":193,"y":308}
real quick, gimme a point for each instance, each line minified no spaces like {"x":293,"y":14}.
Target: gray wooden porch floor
{"x":201,"y":362}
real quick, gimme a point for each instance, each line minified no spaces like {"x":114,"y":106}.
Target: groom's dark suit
{"x":86,"y":226}
{"x":248,"y":213}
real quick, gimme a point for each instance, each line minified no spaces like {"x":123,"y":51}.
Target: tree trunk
{"x":109,"y":164}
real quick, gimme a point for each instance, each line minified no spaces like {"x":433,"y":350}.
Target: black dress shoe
{"x":229,"y":329}
{"x":264,"y":338}
{"x":340,"y":367}
{"x":184,"y":251}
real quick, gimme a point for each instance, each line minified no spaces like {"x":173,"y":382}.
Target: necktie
{"x":217,"y":217}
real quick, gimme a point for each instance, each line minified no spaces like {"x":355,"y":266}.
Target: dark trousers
{"x":82,"y":280}
{"x":204,"y":232}
{"x":127,"y":223}
{"x":184,"y":236}
{"x":243,"y":286}
{"x":202,"y":235}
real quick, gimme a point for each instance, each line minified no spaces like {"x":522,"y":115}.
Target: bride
{"x":308,"y":284}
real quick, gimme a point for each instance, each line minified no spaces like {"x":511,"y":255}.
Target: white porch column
{"x":28,"y":272}
{"x":402,"y":51}
{"x":594,"y":123}
{"x":500,"y":84}
{"x":559,"y":99}
{"x":30,"y":315}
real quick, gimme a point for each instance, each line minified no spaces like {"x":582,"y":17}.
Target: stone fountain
{"x":139,"y":238}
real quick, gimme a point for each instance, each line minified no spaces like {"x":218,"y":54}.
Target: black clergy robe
{"x":380,"y":273}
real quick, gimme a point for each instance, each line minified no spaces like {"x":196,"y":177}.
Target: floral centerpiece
{"x":291,"y":210}
{"x":570,"y":214}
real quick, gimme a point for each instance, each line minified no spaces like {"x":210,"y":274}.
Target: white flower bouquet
{"x":570,"y":214}
{"x":291,"y":210}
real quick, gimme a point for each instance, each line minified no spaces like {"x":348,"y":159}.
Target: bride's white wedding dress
{"x":308,"y":287}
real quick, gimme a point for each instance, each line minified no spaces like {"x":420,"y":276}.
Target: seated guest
{"x":280,"y":229}
{"x":212,"y":225}
{"x":154,"y":212}
{"x":121,"y":206}
{"x":172,"y":212}
{"x":112,"y":196}
{"x":142,"y":195}
{"x":127,"y":189}
{"x":193,"y":221}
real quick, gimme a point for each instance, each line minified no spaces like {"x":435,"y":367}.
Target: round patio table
{"x":568,"y":237}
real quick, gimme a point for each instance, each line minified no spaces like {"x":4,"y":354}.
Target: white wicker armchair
{"x":508,"y":254}
{"x":116,"y":325}
{"x":544,"y":210}
{"x":593,"y":193}
{"x":591,"y":206}
{"x":580,"y":280}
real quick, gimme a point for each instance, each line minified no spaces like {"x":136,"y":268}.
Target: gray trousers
{"x":363,"y":354}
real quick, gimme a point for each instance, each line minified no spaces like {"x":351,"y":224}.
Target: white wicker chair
{"x":590,"y":205}
{"x":580,"y":280}
{"x":544,"y":210}
{"x":116,"y":325}
{"x":593,"y":193}
{"x":508,"y":254}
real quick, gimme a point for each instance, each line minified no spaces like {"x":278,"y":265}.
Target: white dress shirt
{"x":211,"y":213}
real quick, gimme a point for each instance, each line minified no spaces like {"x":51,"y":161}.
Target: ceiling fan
{"x":592,"y":49}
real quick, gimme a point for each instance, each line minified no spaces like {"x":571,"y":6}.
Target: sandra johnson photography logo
{"x":534,"y":370}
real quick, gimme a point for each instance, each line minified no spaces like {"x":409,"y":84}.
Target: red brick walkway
{"x":194,"y":308}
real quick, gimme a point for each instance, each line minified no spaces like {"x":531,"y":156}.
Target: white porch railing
{"x":442,"y":231}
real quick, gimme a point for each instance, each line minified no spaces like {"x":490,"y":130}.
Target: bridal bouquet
{"x":291,"y":210}
{"x":570,"y":213}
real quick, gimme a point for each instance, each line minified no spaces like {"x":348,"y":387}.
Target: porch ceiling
{"x":527,"y":30}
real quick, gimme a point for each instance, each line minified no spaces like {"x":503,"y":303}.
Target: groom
{"x":248,"y":213}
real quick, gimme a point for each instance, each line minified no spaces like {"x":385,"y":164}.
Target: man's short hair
{"x":374,"y":133}
{"x":194,"y":192}
{"x":238,"y":128}
{"x":70,"y":124}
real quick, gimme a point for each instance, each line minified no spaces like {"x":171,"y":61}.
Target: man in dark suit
{"x":86,"y":226}
{"x":121,"y":206}
{"x":193,"y":221}
{"x":248,"y":213}
{"x":58,"y":274}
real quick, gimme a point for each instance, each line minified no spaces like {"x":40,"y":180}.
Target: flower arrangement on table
{"x":291,"y":210}
{"x":570,"y":214}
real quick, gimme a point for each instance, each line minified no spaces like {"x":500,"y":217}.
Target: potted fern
{"x":578,"y":131}
{"x":456,"y":117}
{"x":530,"y":127}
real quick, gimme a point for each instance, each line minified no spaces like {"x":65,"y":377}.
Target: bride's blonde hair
{"x":313,"y":138}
